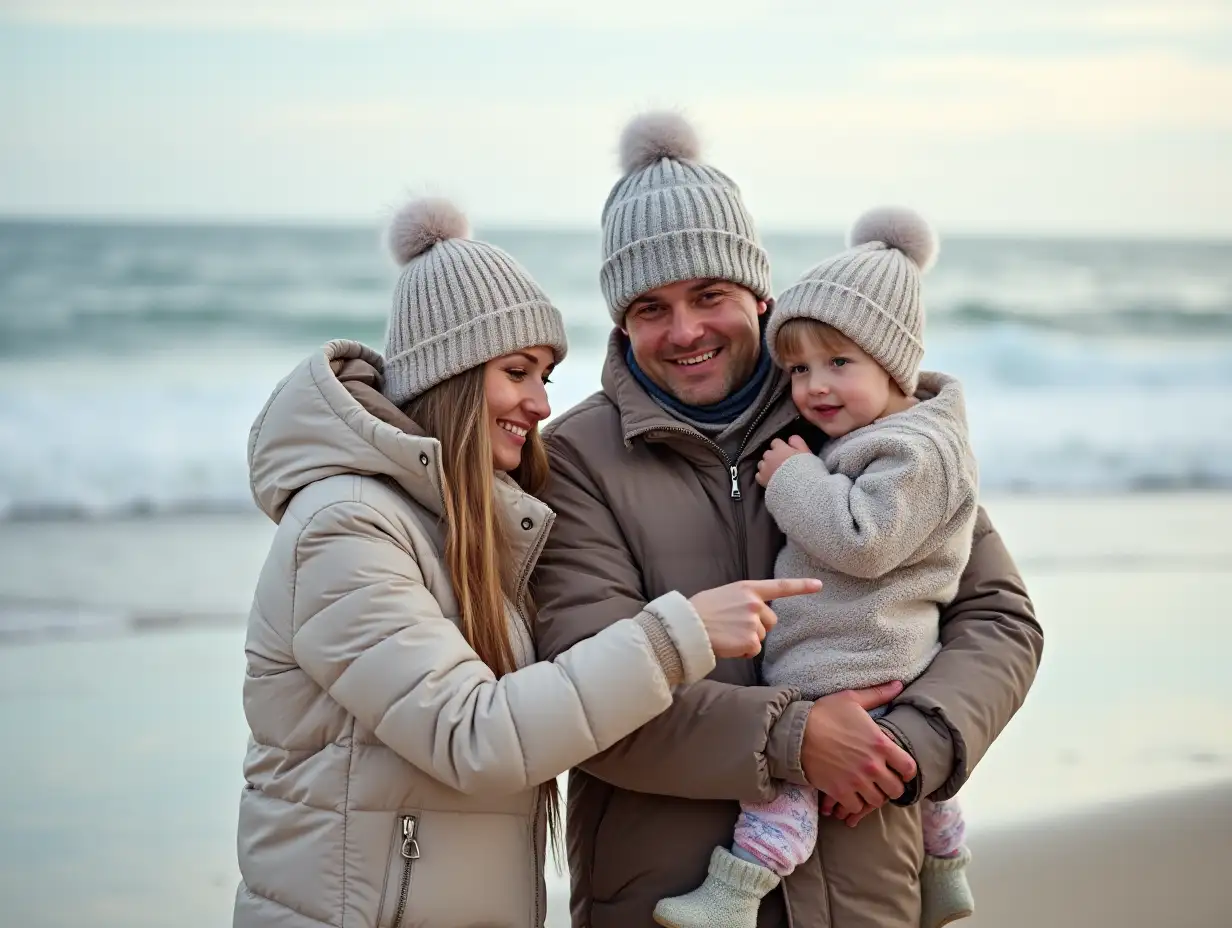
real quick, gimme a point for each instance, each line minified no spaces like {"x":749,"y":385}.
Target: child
{"x":883,"y":516}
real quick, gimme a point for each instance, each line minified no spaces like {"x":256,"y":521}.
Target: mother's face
{"x":515,"y":388}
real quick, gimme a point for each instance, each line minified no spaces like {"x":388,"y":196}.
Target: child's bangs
{"x":798,"y":335}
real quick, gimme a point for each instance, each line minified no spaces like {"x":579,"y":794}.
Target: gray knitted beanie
{"x":458,"y":303}
{"x":870,"y":292}
{"x":671,"y":218}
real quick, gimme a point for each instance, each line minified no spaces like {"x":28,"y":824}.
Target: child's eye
{"x":840,"y":362}
{"x":798,"y":369}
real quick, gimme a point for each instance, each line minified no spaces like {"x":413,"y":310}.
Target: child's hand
{"x":832,"y":809}
{"x":778,"y":452}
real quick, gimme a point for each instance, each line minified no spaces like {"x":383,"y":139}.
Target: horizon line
{"x":356,"y":223}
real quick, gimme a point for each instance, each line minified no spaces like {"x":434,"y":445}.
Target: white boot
{"x":728,"y":899}
{"x":944,"y":892}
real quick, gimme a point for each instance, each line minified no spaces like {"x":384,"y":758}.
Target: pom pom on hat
{"x":651,"y":136}
{"x":421,"y":224}
{"x":900,"y":228}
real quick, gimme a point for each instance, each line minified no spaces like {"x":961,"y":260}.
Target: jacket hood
{"x":941,"y":414}
{"x":942,"y":401}
{"x":328,"y":417}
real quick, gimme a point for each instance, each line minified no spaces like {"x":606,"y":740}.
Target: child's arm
{"x":867,"y":526}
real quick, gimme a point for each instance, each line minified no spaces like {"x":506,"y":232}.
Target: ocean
{"x":134,"y":357}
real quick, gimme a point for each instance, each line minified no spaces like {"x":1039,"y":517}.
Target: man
{"x":653,"y":485}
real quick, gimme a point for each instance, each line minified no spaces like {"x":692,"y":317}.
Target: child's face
{"x":837,"y":387}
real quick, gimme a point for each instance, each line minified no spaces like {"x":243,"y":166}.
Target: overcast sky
{"x":1066,"y":117}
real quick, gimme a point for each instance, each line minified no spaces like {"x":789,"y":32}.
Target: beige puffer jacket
{"x":390,"y":778}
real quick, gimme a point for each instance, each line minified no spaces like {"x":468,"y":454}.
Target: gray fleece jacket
{"x":883,"y":517}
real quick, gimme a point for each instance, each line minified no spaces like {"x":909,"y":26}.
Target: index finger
{"x":767,"y":590}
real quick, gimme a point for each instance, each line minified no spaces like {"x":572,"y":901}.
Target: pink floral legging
{"x":780,"y":834}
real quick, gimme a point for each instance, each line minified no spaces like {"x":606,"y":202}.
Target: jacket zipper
{"x":535,"y":550}
{"x":692,"y":433}
{"x":532,"y":556}
{"x":410,"y":854}
{"x":756,"y":422}
{"x":735,"y":478}
{"x":733,"y":470}
{"x":741,"y":530}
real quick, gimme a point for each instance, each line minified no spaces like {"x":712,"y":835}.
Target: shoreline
{"x":139,"y":575}
{"x":19,"y":516}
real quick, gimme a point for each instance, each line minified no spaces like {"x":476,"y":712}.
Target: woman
{"x":404,"y":743}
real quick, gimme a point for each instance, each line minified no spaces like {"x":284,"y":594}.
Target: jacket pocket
{"x":399,"y":872}
{"x":455,"y":850}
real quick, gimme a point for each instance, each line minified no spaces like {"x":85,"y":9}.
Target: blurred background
{"x":191,"y":201}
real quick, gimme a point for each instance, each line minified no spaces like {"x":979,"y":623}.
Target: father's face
{"x":697,"y":339}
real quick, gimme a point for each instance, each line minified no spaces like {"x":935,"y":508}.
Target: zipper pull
{"x":735,"y":475}
{"x":410,"y":846}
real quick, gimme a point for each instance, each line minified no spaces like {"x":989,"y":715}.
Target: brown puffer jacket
{"x":645,"y":505}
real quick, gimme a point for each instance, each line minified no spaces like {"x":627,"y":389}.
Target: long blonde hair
{"x":478,"y":554}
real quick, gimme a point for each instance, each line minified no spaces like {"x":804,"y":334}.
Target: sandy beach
{"x":1107,"y":801}
{"x":1156,"y":861}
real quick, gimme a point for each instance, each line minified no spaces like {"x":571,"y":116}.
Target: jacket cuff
{"x":684,"y":626}
{"x":932,"y":750}
{"x":911,"y":789}
{"x":786,"y":742}
{"x":664,"y":649}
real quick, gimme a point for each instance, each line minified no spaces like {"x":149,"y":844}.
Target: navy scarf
{"x":723,"y":412}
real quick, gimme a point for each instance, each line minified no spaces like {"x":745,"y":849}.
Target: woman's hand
{"x":778,"y":452}
{"x":736,"y":616}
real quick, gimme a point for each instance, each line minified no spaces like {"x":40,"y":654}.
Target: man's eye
{"x":711,"y":296}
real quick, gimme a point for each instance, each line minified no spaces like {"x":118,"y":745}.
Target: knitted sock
{"x":945,"y":894}
{"x":729,"y":897}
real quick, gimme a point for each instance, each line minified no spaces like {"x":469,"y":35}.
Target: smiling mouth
{"x":513,"y":429}
{"x":697,"y":359}
{"x":827,"y":410}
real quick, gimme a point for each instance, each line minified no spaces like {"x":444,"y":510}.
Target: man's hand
{"x":848,"y":757}
{"x":778,"y":452}
{"x":849,"y":818}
